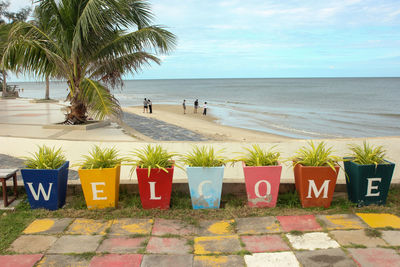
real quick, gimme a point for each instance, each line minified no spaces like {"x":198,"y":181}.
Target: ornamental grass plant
{"x":99,"y":158}
{"x":204,"y":157}
{"x":151,"y":157}
{"x":45,"y":158}
{"x":257,"y":156}
{"x":367,"y":154}
{"x":315,"y":155}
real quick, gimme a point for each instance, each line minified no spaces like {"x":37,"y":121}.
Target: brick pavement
{"x":322,"y":240}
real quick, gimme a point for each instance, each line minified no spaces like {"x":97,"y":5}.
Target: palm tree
{"x":91,"y":44}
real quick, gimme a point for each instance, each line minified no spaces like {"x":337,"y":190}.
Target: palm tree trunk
{"x":4,"y":94}
{"x":47,"y":96}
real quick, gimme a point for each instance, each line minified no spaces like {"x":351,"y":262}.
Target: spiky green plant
{"x":367,"y":154}
{"x":151,"y":157}
{"x":45,"y":158}
{"x":256,"y":156}
{"x":204,"y":157}
{"x":315,"y":155}
{"x":99,"y":158}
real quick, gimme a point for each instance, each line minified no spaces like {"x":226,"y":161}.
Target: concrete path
{"x":306,"y":240}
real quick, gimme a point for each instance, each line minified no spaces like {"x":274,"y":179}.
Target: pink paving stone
{"x":116,"y":260}
{"x":299,"y":223}
{"x":168,"y":245}
{"x":174,"y":227}
{"x":122,"y":245}
{"x":264,"y":243}
{"x":371,"y":257}
{"x":19,"y":260}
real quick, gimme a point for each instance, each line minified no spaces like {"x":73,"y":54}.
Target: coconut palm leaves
{"x":91,"y":44}
{"x":367,"y":154}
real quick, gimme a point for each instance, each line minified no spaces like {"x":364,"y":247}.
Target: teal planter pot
{"x":368,"y":184}
{"x":205,"y":184}
{"x":46,"y":189}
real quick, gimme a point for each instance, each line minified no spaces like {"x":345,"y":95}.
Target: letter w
{"x":312,"y":187}
{"x":40,"y":190}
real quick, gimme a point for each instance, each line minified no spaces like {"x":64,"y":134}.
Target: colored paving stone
{"x":391,"y":237}
{"x":32,"y":243}
{"x":312,"y":241}
{"x":325,"y":258}
{"x":299,"y":223}
{"x":216,"y":227}
{"x":131,"y":227}
{"x":19,"y":260}
{"x":341,"y":221}
{"x":380,"y":220}
{"x":48,"y":226}
{"x":159,"y":245}
{"x":63,"y":261}
{"x":76,"y":244}
{"x":117,"y":260}
{"x":372,"y":257}
{"x":172,"y":227}
{"x":264,"y":243}
{"x":357,"y":237}
{"x":216,"y":244}
{"x":122,"y":245}
{"x":167,"y":260}
{"x":88,"y":227}
{"x":287,"y":259}
{"x":218,"y":261}
{"x":257,"y":225}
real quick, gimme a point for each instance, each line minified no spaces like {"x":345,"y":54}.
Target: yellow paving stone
{"x":131,"y":226}
{"x":212,"y":260}
{"x":89,"y":227}
{"x":216,"y":244}
{"x":221,"y":227}
{"x":39,"y":225}
{"x":341,"y":221}
{"x":380,"y":220}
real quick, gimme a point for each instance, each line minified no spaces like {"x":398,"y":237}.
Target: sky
{"x":268,"y":39}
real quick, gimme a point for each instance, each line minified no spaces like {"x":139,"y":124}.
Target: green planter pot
{"x":368,"y":184}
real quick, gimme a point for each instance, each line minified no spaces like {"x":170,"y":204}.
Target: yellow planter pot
{"x":100,"y":187}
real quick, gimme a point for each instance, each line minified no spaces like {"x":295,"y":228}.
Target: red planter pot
{"x":155,"y":190}
{"x":262,"y":185}
{"x":315,"y":185}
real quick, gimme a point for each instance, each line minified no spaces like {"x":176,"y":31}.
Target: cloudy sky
{"x":291,"y":38}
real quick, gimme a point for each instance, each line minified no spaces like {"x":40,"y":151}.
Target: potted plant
{"x":262,"y":175}
{"x":154,"y":169}
{"x":99,"y":174}
{"x":45,"y":178}
{"x":368,"y":174}
{"x":205,"y":172}
{"x":315,"y":173}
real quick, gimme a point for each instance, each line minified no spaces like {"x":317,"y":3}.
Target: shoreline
{"x":205,"y":125}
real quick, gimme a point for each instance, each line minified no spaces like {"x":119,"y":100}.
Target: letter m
{"x":312,"y":187}
{"x":36,"y":195}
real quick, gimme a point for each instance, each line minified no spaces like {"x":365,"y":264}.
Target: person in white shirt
{"x":205,"y":108}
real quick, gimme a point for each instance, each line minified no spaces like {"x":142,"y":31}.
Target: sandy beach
{"x":206,"y":125}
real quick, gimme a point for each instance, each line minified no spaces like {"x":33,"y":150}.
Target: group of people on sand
{"x":195,"y":107}
{"x":147,"y":106}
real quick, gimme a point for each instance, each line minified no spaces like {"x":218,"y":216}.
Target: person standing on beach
{"x":196,"y":106}
{"x":184,"y":106}
{"x":205,"y":109}
{"x":150,"y":106}
{"x":145,"y":105}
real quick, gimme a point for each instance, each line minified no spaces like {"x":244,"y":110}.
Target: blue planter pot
{"x":205,"y":186}
{"x":46,"y":189}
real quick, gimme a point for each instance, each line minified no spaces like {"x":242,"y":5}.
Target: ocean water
{"x":299,"y":108}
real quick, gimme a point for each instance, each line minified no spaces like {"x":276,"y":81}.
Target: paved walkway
{"x":306,"y":240}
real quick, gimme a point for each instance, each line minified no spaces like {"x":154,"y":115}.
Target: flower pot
{"x":100,"y":187}
{"x":368,"y":184}
{"x":315,"y":185}
{"x":205,"y":184}
{"x":262,"y":185}
{"x":155,"y":190}
{"x":46,"y":188}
